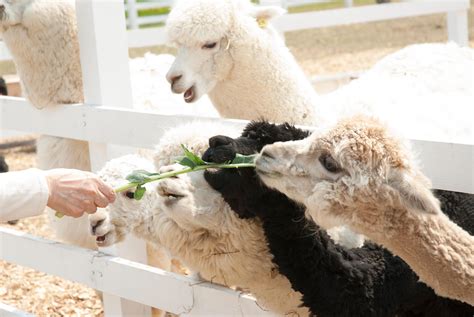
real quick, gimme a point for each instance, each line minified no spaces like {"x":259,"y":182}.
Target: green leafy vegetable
{"x":139,"y":176}
{"x":139,"y":192}
{"x":137,"y":179}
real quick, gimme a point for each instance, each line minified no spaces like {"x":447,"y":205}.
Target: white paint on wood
{"x":132,"y":12}
{"x":106,"y":78}
{"x":369,"y":13}
{"x":449,"y":165}
{"x":458,"y":27}
{"x":120,"y":277}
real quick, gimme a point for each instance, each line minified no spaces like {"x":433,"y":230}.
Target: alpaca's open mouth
{"x":100,"y":240}
{"x":189,"y":95}
{"x":169,"y":194}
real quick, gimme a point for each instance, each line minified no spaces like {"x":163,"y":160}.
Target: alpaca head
{"x":355,"y":172}
{"x":193,"y":205}
{"x":111,"y":224}
{"x":11,"y":12}
{"x":206,"y":32}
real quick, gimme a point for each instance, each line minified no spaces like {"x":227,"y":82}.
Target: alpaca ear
{"x":414,"y":192}
{"x":266,"y":13}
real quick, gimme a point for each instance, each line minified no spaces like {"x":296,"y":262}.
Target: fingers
{"x":74,"y":192}
{"x":101,"y":200}
{"x":107,"y":191}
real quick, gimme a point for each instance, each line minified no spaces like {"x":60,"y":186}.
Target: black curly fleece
{"x":334,"y":280}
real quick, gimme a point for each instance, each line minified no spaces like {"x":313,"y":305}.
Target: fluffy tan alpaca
{"x":193,"y":222}
{"x":364,"y":177}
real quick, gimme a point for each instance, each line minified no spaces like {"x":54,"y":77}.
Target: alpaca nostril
{"x":266,"y":154}
{"x":95,"y":226}
{"x":175,"y":79}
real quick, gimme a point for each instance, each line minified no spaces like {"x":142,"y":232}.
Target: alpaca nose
{"x":95,"y":225}
{"x":174,"y":79}
{"x":266,"y":153}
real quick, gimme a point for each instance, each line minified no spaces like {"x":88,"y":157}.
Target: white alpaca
{"x":227,"y":49}
{"x":42,"y":38}
{"x":249,"y":73}
{"x":424,"y":90}
{"x":362,"y":176}
{"x":195,"y":225}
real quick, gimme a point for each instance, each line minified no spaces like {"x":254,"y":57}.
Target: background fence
{"x":150,"y":12}
{"x":106,"y":121}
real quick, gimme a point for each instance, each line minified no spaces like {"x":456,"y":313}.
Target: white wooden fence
{"x":107,"y":122}
{"x":456,"y":16}
{"x":134,"y":21}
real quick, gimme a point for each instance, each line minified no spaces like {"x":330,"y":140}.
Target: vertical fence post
{"x":106,"y":77}
{"x":132,"y":14}
{"x":458,"y":27}
{"x":348,"y":3}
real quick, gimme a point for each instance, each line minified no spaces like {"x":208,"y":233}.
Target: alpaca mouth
{"x":267,"y":173}
{"x":169,"y":194}
{"x":262,"y":167}
{"x":189,"y":95}
{"x":100,"y":240}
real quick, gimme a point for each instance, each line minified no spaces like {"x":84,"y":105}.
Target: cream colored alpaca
{"x":228,"y":50}
{"x":364,"y":177}
{"x":195,"y":225}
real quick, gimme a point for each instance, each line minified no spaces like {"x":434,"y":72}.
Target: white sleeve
{"x":22,"y":194}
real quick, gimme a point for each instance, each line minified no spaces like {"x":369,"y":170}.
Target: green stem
{"x":183,"y":171}
{"x":174,"y":173}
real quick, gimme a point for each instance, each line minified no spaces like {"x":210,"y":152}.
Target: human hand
{"x":75,"y":192}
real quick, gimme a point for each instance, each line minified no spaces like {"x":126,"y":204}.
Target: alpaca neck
{"x":47,"y":58}
{"x":228,"y":259}
{"x":440,"y":252}
{"x":265,"y":82}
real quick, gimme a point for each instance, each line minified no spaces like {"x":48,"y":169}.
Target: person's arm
{"x":22,"y":194}
{"x":71,"y":192}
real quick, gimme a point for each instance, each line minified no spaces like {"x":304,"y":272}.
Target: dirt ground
{"x":320,"y":51}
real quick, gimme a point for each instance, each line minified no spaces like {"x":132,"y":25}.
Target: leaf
{"x":244,"y":159}
{"x":139,"y":192}
{"x":139,"y":176}
{"x":193,"y":157}
{"x":185,"y":161}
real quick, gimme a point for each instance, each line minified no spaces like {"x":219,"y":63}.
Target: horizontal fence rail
{"x":456,"y":11}
{"x":138,"y":282}
{"x":448,"y":165}
{"x":369,"y":13}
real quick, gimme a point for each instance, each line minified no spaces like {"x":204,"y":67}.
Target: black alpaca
{"x":334,"y":281}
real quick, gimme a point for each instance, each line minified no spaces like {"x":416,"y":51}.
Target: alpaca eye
{"x":209,"y":46}
{"x":130,"y":195}
{"x":329,"y":163}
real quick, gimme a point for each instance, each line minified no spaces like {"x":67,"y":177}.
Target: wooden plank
{"x":146,"y":37}
{"x":106,"y":78}
{"x":98,"y":124}
{"x":449,"y":165}
{"x":458,"y":27}
{"x":138,"y":282}
{"x":369,"y":13}
{"x":132,"y":14}
{"x":152,"y":19}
